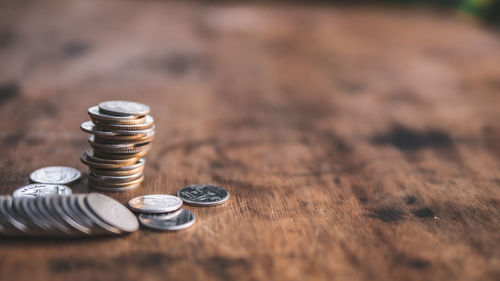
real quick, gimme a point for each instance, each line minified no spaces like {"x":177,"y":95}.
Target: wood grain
{"x":357,"y":143}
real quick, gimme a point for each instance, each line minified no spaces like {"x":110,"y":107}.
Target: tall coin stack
{"x":120,"y":136}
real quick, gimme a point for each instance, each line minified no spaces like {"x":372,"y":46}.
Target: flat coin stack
{"x":120,"y":136}
{"x":60,"y":216}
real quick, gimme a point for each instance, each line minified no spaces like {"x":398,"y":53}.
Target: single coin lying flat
{"x":99,"y":116}
{"x":203,"y":195}
{"x":41,"y":190}
{"x":124,"y":108}
{"x":155,"y":203}
{"x":55,"y":175}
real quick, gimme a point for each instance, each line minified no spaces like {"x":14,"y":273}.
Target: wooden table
{"x":358,"y":143}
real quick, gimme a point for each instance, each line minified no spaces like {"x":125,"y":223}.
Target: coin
{"x":9,"y":225}
{"x":104,"y":183}
{"x":141,"y":139}
{"x":113,"y":189}
{"x":112,"y":212}
{"x":117,"y":156}
{"x":116,"y":172}
{"x":17,"y":225}
{"x":109,"y":145}
{"x":123,"y":108}
{"x":99,"y":116}
{"x":91,"y":128}
{"x":52,"y":217}
{"x":20,"y":215}
{"x":115,"y":162}
{"x":203,"y":195}
{"x":55,"y":175}
{"x":122,"y":151}
{"x":161,"y":222}
{"x":35,"y":218}
{"x":165,"y":216}
{"x":83,"y":222}
{"x":41,"y":190}
{"x":148,"y":123}
{"x":106,"y":178}
{"x":116,"y":137}
{"x":82,"y":205}
{"x":109,"y":164}
{"x":134,"y":132}
{"x":116,"y":149}
{"x":155,"y":203}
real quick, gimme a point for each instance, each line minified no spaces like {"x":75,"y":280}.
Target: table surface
{"x":358,"y":143}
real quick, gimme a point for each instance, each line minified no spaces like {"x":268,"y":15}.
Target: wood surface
{"x":358,"y":143}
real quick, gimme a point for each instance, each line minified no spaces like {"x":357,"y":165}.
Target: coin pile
{"x":164,"y":212}
{"x":60,"y":216}
{"x":120,"y":136}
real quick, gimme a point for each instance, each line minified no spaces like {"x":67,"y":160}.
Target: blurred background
{"x":253,"y":67}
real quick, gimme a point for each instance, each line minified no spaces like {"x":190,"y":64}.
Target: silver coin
{"x":47,"y":215}
{"x":112,"y":212}
{"x":11,"y":225}
{"x":41,"y":190}
{"x":155,"y":203}
{"x":93,"y":142}
{"x":19,"y":213}
{"x":141,"y":132}
{"x":115,"y":179}
{"x":73,"y":208}
{"x":57,"y":208}
{"x":55,"y":175}
{"x":114,"y":189}
{"x":148,"y":123}
{"x":5,"y":227}
{"x":166,"y":216}
{"x":90,"y":128}
{"x":161,"y":222}
{"x":49,"y":227}
{"x":87,"y":211}
{"x":95,"y":113}
{"x":81,"y":217}
{"x":203,"y":195}
{"x":124,"y":108}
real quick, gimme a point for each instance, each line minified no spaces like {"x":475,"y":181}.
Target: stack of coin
{"x":120,"y":136}
{"x":59,"y":216}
